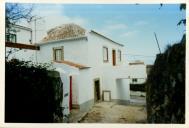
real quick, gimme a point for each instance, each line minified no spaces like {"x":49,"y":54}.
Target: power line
{"x":138,"y":55}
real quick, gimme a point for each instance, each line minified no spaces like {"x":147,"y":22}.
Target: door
{"x":70,"y":106}
{"x":113,"y":57}
{"x":97,"y":90}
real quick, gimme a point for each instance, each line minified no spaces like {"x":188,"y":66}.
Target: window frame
{"x":134,"y":80}
{"x":105,"y":60}
{"x":8,"y":37}
{"x":62,"y":53}
{"x":119,"y":55}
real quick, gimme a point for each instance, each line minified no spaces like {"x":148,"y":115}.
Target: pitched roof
{"x":80,"y":66}
{"x":69,"y":32}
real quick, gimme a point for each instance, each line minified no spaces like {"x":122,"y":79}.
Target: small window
{"x":58,"y":53}
{"x":119,"y":55}
{"x":11,"y":37}
{"x":134,"y":80}
{"x":105,"y":54}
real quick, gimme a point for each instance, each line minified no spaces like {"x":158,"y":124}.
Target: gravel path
{"x":108,"y":112}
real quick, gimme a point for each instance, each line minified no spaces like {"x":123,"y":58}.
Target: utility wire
{"x":138,"y":55}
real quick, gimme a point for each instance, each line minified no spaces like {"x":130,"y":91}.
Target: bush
{"x":166,"y":86}
{"x":33,"y":94}
{"x":138,"y":87}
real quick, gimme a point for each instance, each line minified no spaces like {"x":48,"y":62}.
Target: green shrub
{"x":33,"y":94}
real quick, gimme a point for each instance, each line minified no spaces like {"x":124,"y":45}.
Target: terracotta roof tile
{"x":72,"y":64}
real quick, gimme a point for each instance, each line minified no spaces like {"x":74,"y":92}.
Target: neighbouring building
{"x":92,"y":66}
{"x":138,"y":73}
{"x":138,"y":77}
{"x":19,"y":34}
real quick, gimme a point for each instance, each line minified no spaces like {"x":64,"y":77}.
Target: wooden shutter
{"x":53,"y":54}
{"x":62,"y":56}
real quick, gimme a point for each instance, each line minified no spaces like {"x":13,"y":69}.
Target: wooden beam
{"x":22,"y":46}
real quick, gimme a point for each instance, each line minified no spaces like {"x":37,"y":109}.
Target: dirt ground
{"x":109,"y":112}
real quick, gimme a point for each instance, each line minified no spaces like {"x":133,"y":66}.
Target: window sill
{"x":105,"y":61}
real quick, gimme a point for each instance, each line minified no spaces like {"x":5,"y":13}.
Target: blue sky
{"x":128,"y":24}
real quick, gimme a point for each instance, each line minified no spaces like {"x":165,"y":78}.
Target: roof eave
{"x":66,"y":39}
{"x":106,"y":38}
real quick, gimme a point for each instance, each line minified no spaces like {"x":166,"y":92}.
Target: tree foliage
{"x":182,"y":7}
{"x":15,"y":13}
{"x":166,"y":86}
{"x":182,"y":21}
{"x":33,"y":93}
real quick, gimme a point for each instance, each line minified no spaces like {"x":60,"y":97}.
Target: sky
{"x":129,"y":24}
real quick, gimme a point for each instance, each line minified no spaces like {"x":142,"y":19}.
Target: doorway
{"x":113,"y":57}
{"x":96,"y":90}
{"x":70,"y":101}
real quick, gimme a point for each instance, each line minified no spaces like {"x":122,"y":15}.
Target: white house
{"x":19,"y":34}
{"x":92,"y":66}
{"x":138,"y":73}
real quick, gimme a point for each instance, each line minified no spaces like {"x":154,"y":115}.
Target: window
{"x":119,"y":55}
{"x":58,"y":53}
{"x":134,"y":80}
{"x":105,"y":54}
{"x":10,"y":37}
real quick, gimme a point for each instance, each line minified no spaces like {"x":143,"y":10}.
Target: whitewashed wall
{"x":123,"y":89}
{"x":139,"y":80}
{"x":85,"y":88}
{"x":23,"y":36}
{"x":74,"y":50}
{"x":106,"y":71}
{"x":65,"y":73}
{"x":95,"y":49}
{"x":138,"y":71}
{"x":23,"y":54}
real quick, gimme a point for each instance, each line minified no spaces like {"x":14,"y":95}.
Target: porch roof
{"x":73,"y":64}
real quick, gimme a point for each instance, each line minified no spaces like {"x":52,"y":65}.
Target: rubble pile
{"x":64,"y":31}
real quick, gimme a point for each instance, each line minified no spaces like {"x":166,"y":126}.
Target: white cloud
{"x":116,"y":26}
{"x":111,"y":28}
{"x":130,"y":33}
{"x":52,"y":16}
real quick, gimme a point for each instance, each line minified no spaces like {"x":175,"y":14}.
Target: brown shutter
{"x":62,"y":56}
{"x":53,"y":54}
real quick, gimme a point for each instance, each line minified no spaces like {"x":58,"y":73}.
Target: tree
{"x":182,"y":21}
{"x":182,"y":7}
{"x":15,"y":13}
